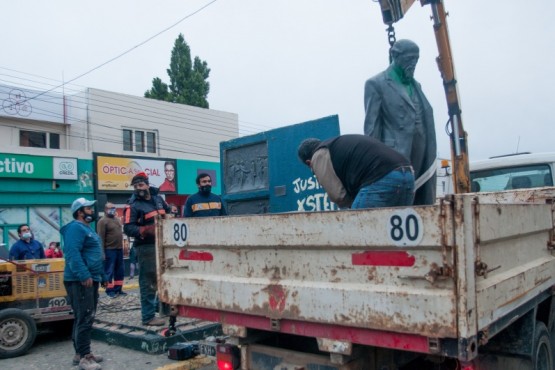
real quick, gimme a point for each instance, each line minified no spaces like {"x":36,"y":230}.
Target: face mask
{"x":207,"y":189}
{"x":142,"y":193}
{"x":26,"y":235}
{"x":89,"y":218}
{"x":111,"y":212}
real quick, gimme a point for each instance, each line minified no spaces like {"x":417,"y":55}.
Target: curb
{"x":190,"y":364}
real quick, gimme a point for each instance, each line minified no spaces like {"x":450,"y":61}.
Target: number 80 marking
{"x":179,"y":233}
{"x":405,"y":228}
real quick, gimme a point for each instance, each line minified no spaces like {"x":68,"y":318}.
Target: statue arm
{"x":372,"y":108}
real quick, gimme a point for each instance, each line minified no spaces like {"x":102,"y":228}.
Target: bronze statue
{"x":399,"y":115}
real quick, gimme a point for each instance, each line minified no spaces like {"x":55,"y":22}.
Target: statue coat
{"x":391,"y":117}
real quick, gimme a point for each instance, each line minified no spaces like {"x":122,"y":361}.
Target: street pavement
{"x":53,"y":349}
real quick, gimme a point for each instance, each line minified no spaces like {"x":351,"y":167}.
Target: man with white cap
{"x":83,"y":273}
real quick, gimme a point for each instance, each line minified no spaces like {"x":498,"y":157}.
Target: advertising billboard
{"x":114,"y":173}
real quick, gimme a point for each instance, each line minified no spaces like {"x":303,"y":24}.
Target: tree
{"x":188,"y":80}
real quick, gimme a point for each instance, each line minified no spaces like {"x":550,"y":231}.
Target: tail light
{"x":468,"y":366}
{"x":228,"y":357}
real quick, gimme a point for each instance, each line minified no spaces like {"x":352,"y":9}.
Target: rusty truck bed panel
{"x":464,"y":264}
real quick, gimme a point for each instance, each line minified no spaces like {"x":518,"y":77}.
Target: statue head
{"x":404,"y":54}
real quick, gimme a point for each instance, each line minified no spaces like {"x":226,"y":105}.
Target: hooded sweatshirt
{"x":83,"y":253}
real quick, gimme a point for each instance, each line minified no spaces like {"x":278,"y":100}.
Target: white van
{"x":515,"y":171}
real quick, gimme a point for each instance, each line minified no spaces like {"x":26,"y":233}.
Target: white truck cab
{"x":504,"y":172}
{"x":515,"y":171}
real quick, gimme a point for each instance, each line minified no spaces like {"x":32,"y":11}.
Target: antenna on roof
{"x":517,"y":144}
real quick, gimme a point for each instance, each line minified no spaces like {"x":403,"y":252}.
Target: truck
{"x":464,"y":284}
{"x":31,"y":292}
{"x":513,"y":171}
{"x":521,"y":170}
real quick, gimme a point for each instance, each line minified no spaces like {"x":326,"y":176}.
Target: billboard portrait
{"x":114,"y":173}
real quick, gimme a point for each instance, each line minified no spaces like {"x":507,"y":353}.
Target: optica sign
{"x":115,"y":173}
{"x":35,"y":167}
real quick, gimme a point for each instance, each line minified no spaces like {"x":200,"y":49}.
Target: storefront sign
{"x":64,"y":168}
{"x":115,"y":173}
{"x":21,"y":103}
{"x":25,"y":166}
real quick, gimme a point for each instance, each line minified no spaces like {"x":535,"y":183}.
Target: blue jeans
{"x":394,"y":189}
{"x":132,"y":262}
{"x":148,"y":284}
{"x":114,"y":270}
{"x":83,"y":302}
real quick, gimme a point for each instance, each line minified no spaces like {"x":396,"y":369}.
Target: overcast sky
{"x":280,"y":62}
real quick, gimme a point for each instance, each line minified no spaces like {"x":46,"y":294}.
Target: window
{"x":38,"y":139}
{"x":150,"y":142}
{"x":139,"y":141}
{"x":517,"y":177}
{"x":54,"y":141}
{"x":128,"y":140}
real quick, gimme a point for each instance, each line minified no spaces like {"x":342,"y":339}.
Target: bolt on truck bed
{"x":439,"y":279}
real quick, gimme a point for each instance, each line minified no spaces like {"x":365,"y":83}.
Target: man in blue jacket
{"x":84,"y":271}
{"x":26,"y":248}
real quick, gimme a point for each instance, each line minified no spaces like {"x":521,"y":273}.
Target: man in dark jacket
{"x":140,"y":213}
{"x":204,"y":203}
{"x":358,"y":171}
{"x":399,"y":115}
{"x":83,"y":272}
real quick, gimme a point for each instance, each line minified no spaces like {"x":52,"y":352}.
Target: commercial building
{"x":55,"y":148}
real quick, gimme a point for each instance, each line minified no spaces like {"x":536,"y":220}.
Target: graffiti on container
{"x":309,"y":200}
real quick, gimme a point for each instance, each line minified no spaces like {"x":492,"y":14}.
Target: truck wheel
{"x":543,"y":357}
{"x":17,"y":332}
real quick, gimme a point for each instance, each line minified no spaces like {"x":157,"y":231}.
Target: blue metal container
{"x":262,"y":173}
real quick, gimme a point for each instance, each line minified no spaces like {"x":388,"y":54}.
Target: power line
{"x":119,"y":130}
{"x":125,"y":52}
{"x":254,"y":127}
{"x":180,"y":120}
{"x":115,"y":141}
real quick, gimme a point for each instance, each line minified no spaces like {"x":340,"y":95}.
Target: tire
{"x":18,"y":331}
{"x":542,"y":355}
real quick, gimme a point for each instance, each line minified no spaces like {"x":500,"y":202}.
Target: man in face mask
{"x":139,"y":216}
{"x":204,"y":203}
{"x":110,"y":230}
{"x":26,"y":247}
{"x":83,"y":273}
{"x":399,"y":115}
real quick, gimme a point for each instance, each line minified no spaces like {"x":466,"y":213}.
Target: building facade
{"x":56,"y":148}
